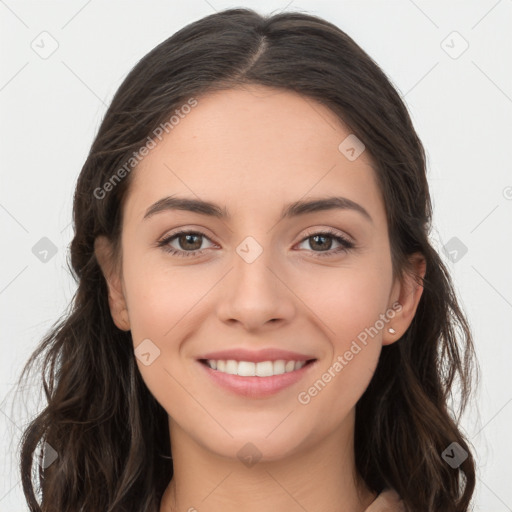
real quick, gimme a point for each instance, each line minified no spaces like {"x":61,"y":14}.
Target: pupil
{"x":322,"y":237}
{"x":187,"y":237}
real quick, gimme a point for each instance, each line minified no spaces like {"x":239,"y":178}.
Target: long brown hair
{"x":109,"y":432}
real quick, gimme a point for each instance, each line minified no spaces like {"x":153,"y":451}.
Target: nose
{"x":255,"y":295}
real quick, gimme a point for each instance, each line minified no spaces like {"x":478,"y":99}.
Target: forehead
{"x":251,"y":146}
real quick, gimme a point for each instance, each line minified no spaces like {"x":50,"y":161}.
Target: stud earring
{"x":391,"y":330}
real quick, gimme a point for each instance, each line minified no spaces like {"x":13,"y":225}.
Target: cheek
{"x":348,"y":300}
{"x":159,"y":296}
{"x":353,"y":312}
{"x":161,"y":310}
{"x":163,"y":306}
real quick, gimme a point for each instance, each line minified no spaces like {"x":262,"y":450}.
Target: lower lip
{"x":256,"y":387}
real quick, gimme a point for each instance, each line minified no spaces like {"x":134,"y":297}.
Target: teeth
{"x":290,"y":366}
{"x":250,"y":369}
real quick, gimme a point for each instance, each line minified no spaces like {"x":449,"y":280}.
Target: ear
{"x":405,"y":297}
{"x":104,"y":253}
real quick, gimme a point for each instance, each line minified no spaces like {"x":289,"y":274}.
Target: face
{"x":316,"y":282}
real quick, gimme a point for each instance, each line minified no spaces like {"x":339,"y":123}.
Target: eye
{"x":323,"y":241}
{"x":190,"y":240}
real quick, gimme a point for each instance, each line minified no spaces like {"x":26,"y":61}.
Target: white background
{"x":461,"y":107}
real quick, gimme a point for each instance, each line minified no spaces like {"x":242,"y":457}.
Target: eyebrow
{"x":294,"y":209}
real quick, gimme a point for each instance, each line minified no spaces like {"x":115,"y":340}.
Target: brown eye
{"x":321,"y":243}
{"x":188,"y":243}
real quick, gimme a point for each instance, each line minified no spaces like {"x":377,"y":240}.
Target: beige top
{"x":387,"y":501}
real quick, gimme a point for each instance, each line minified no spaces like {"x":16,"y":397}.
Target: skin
{"x":253,"y":150}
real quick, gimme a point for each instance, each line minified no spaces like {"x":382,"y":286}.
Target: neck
{"x":321,"y":478}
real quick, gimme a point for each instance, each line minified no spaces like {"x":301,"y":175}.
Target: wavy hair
{"x":109,"y":432}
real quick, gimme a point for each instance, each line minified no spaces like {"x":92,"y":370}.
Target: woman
{"x":261,"y":367}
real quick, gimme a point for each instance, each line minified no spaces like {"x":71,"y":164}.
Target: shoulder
{"x":387,"y":501}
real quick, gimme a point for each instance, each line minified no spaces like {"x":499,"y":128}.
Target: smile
{"x":255,"y":379}
{"x":251,"y":369}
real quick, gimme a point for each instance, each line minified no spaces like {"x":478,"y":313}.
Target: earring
{"x":391,"y":330}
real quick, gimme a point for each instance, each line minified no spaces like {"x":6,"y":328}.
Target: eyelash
{"x":346,"y":245}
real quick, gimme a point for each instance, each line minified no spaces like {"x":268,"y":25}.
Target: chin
{"x":254,"y":445}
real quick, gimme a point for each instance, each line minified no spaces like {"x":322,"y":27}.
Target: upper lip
{"x":267,"y":354}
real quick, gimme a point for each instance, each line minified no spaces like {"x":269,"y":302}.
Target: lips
{"x":268,"y":354}
{"x":256,"y":373}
